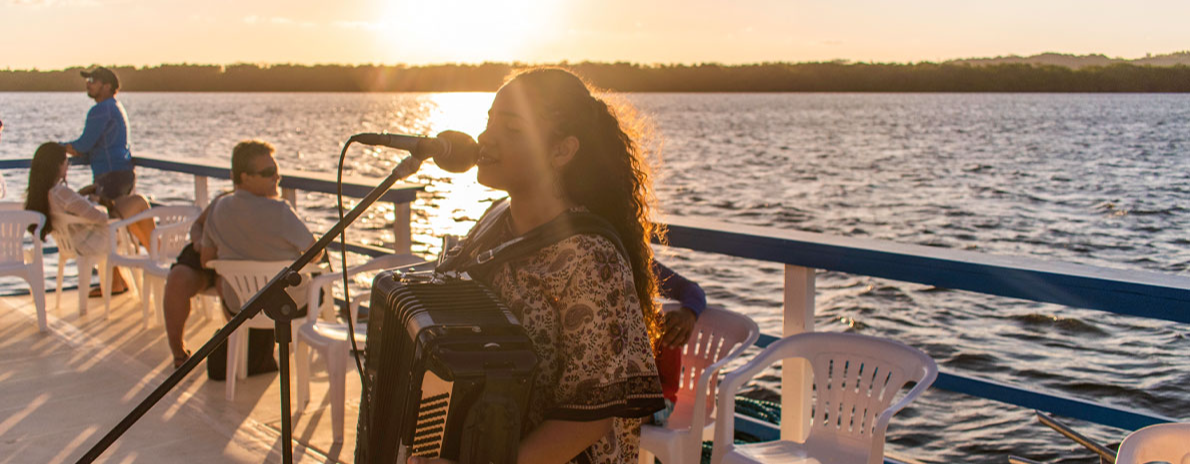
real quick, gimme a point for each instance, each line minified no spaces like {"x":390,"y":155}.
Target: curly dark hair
{"x":609,"y":174}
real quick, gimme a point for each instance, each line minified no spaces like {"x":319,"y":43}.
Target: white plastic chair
{"x":247,"y":278}
{"x":27,"y":264}
{"x":719,"y":336}
{"x":855,"y":379}
{"x":1166,"y":442}
{"x":165,"y":242}
{"x":323,"y":332}
{"x":84,"y":263}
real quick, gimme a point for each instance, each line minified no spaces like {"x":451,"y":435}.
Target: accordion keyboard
{"x":431,"y":416}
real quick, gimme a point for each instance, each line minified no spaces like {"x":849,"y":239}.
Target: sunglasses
{"x":265,"y":173}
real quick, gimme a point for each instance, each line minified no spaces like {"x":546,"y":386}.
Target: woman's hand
{"x":677,"y":326}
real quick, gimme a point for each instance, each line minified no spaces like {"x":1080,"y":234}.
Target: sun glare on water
{"x":452,"y":31}
{"x":457,"y":197}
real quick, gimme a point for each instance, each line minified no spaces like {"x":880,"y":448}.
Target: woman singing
{"x":586,"y":302}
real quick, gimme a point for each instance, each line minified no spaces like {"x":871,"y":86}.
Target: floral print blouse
{"x":577,"y":301}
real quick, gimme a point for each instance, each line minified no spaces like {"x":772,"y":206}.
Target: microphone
{"x":452,"y":151}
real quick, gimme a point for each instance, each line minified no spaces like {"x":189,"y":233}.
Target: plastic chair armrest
{"x":725,"y":424}
{"x":926,"y":381}
{"x":132,"y":219}
{"x":702,"y":387}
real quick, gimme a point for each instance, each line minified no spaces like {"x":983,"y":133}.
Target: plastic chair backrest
{"x":856,"y":378}
{"x":246,"y":277}
{"x":1165,"y":442}
{"x":173,"y":230}
{"x":719,"y":334}
{"x":14,"y":224}
{"x":66,"y":245}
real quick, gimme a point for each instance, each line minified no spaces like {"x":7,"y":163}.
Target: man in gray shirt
{"x":253,"y":223}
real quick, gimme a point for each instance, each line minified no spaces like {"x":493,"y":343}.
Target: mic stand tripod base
{"x":281,"y":308}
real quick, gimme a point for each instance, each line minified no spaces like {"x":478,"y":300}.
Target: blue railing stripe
{"x":24,"y":163}
{"x":1137,"y":293}
{"x":362,"y":249}
{"x":353,"y":186}
{"x":1053,"y":403}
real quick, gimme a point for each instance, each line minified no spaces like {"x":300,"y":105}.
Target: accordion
{"x":448,"y":373}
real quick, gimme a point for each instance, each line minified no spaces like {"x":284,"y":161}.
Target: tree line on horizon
{"x":626,"y":77}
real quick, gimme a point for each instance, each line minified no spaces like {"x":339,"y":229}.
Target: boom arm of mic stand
{"x":275,"y":289}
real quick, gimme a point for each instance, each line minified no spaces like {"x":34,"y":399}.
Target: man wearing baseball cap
{"x":105,"y":139}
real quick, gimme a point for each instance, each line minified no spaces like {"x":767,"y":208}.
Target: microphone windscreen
{"x":463,"y":154}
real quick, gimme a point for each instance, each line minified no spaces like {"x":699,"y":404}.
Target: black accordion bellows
{"x":448,"y":373}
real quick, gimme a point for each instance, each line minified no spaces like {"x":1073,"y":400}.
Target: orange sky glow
{"x":53,"y":34}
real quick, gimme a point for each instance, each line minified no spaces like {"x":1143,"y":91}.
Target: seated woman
{"x":48,"y":194}
{"x":677,"y":328}
{"x":587,"y":304}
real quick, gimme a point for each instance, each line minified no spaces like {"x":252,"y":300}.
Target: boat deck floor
{"x":63,"y":390}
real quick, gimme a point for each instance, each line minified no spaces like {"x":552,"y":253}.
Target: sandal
{"x":178,"y":362}
{"x":97,"y":292}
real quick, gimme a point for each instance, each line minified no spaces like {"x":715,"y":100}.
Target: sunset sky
{"x":53,"y":34}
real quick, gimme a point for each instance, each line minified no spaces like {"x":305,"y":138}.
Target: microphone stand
{"x":277,"y":304}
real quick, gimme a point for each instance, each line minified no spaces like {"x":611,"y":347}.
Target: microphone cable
{"x":346,"y":283}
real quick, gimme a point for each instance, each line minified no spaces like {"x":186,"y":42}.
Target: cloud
{"x":277,"y":20}
{"x":63,"y":3}
{"x":39,"y":4}
{"x":358,"y":25}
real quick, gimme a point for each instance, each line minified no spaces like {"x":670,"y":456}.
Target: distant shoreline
{"x":624,"y":77}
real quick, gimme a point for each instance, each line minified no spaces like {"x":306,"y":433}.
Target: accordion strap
{"x":471,"y":256}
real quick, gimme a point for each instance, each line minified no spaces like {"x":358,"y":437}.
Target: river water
{"x":1096,"y":179}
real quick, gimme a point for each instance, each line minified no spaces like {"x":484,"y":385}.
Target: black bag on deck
{"x":261,"y":343}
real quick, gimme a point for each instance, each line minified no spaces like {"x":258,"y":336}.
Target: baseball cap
{"x":103,"y":75}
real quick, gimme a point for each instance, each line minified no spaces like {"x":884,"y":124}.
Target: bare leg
{"x":125,"y":207}
{"x":128,"y":206}
{"x":182,"y":284}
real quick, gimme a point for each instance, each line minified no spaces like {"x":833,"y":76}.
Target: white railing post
{"x":402,"y":229}
{"x":796,"y":375}
{"x":289,"y":194}
{"x":202,"y":196}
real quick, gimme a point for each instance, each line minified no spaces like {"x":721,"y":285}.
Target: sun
{"x":467,"y":31}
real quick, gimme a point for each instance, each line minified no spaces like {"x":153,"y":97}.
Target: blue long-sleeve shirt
{"x":105,"y":138}
{"x":677,"y":287}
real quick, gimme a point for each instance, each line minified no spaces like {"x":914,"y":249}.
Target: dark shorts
{"x":115,"y":184}
{"x":189,"y":258}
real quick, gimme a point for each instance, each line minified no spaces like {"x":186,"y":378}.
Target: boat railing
{"x":1133,"y":293}
{"x":401,"y":195}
